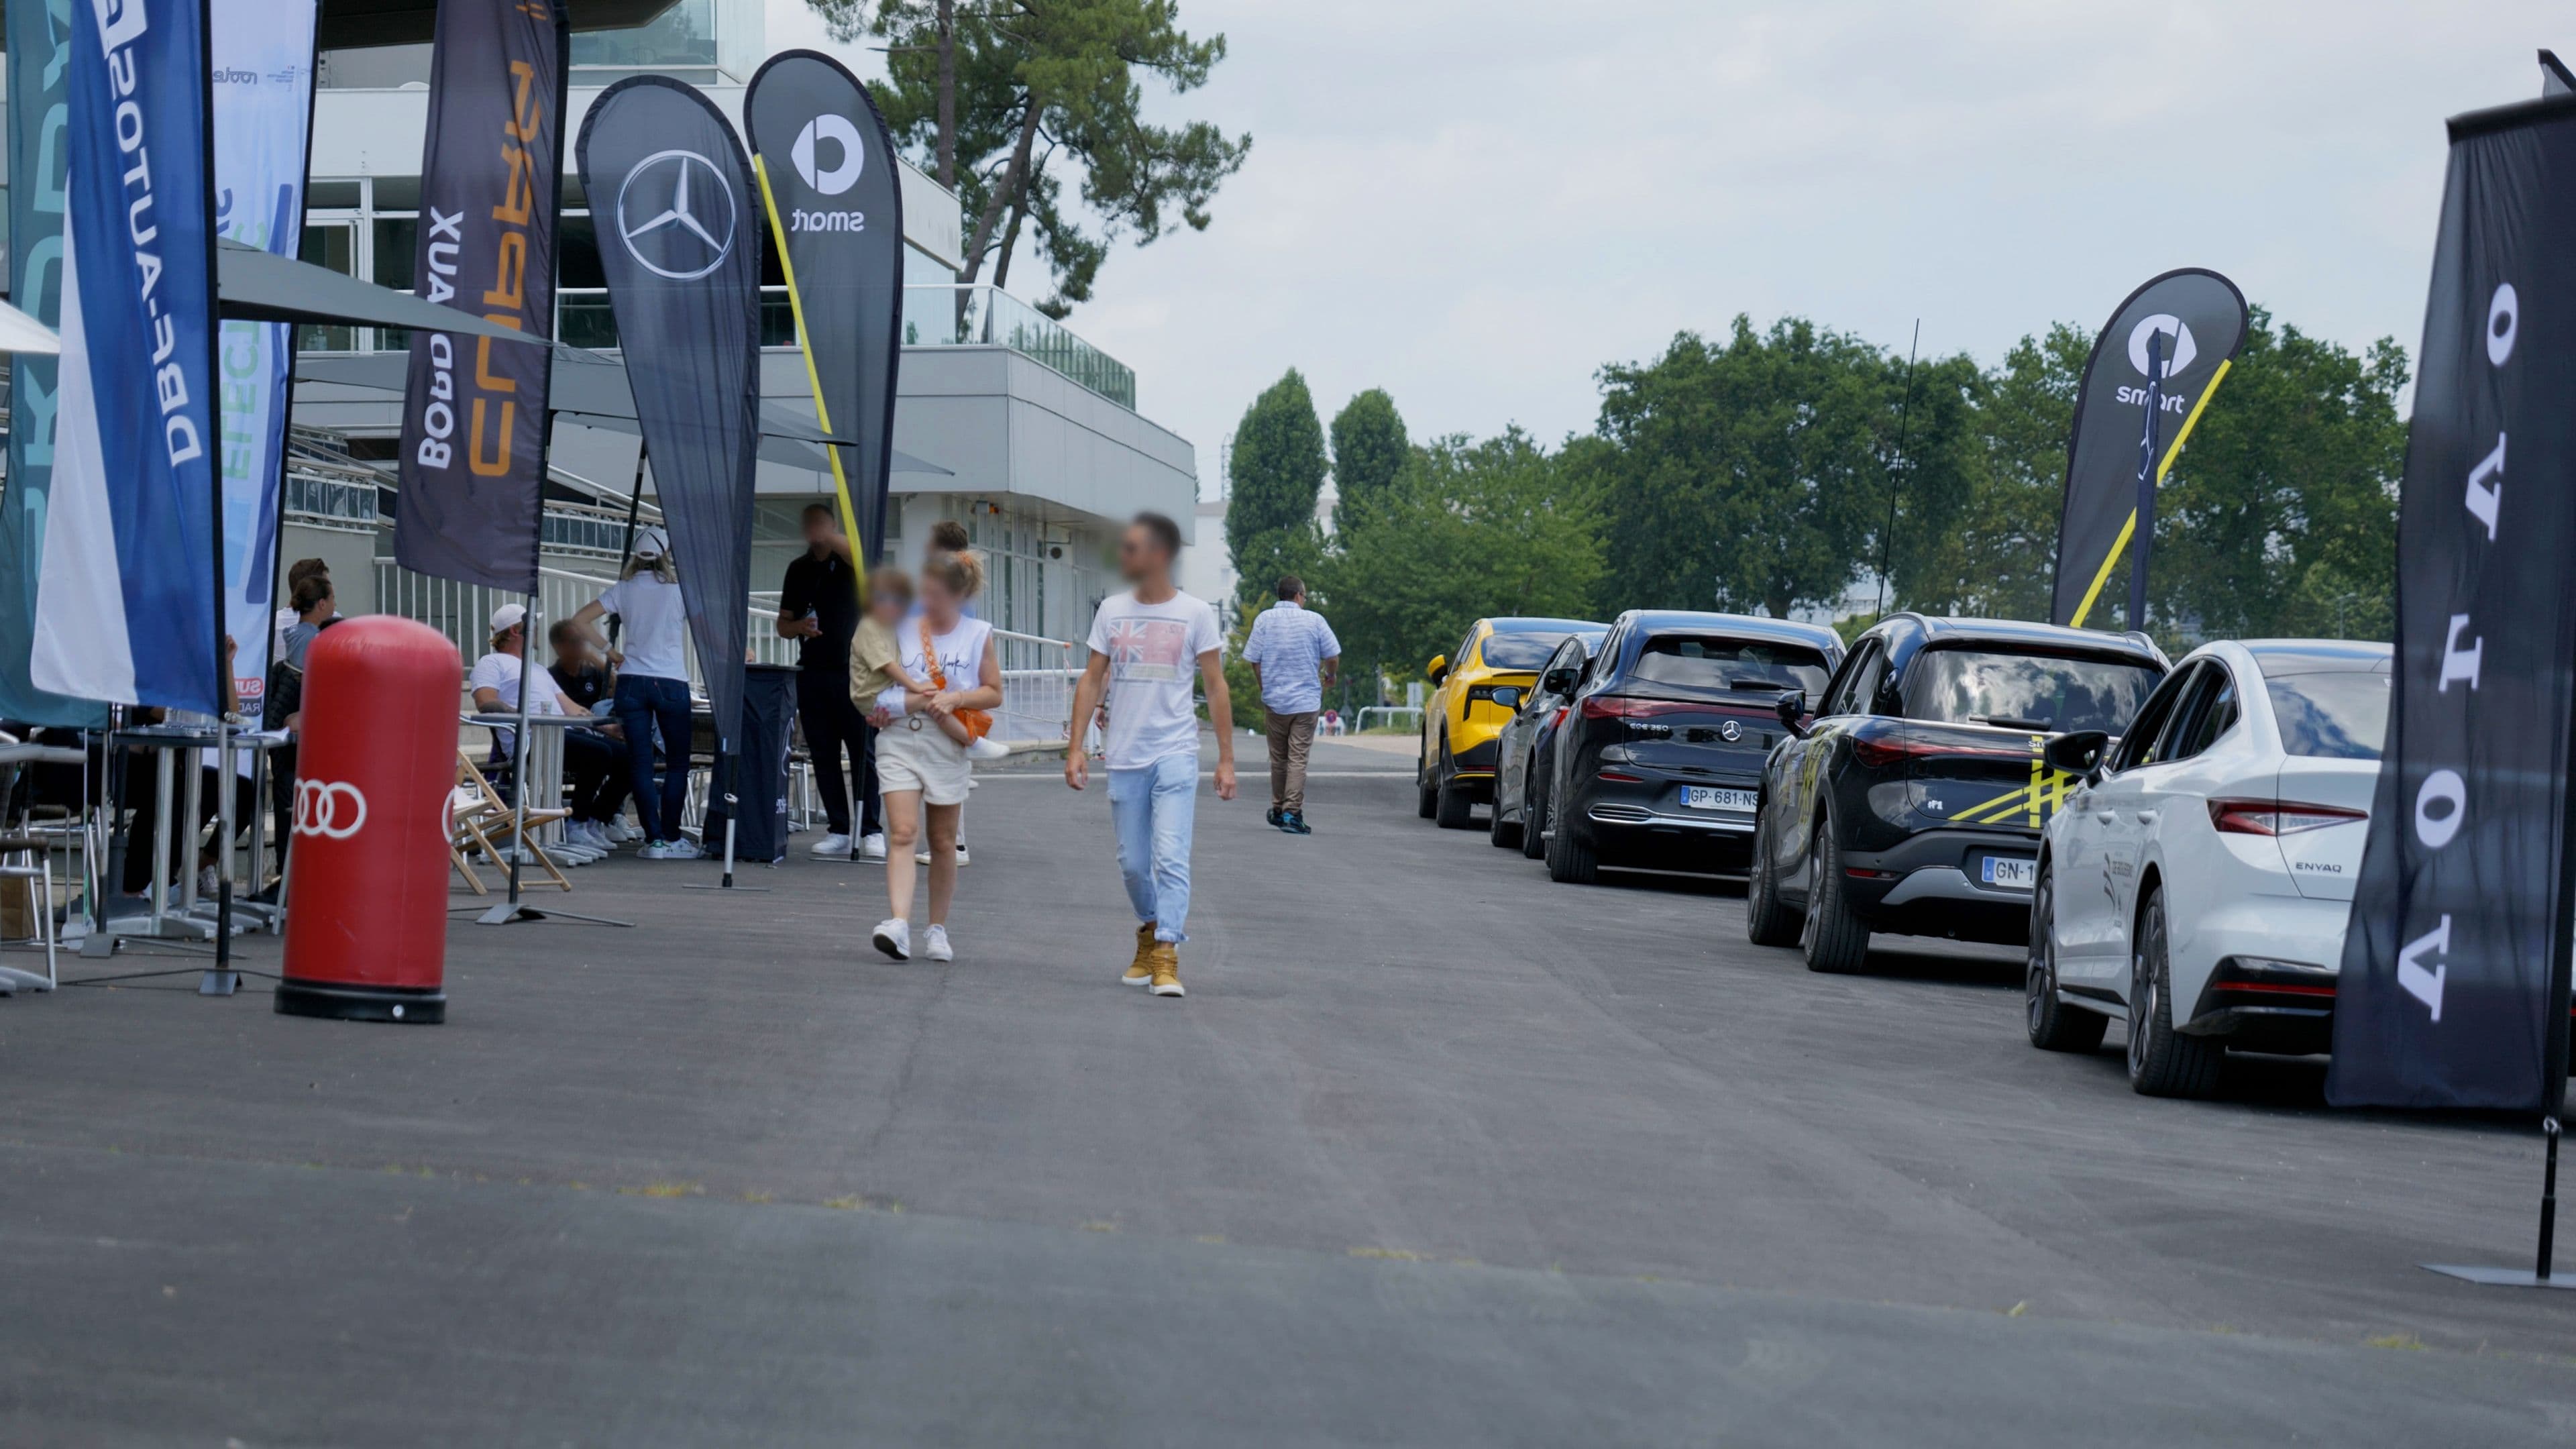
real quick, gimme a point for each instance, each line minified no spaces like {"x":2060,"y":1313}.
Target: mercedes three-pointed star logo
{"x":676,"y":214}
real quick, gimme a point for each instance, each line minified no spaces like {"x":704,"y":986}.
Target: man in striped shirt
{"x":1295,"y":657}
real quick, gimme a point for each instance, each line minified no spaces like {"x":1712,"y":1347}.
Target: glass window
{"x":333,"y":245}
{"x":685,"y":34}
{"x":2026,"y":691}
{"x":2213,"y":713}
{"x":1863,"y":661}
{"x":2138,"y":746}
{"x":2338,"y":716}
{"x":1521,"y":650}
{"x":1714,"y":661}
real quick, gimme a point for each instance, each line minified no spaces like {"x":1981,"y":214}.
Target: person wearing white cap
{"x":652,"y":687}
{"x":495,"y":681}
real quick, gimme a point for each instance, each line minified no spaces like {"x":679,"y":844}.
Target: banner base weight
{"x":361,"y":1003}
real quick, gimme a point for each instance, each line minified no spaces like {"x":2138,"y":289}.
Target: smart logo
{"x":2179,"y":352}
{"x":843,"y":136}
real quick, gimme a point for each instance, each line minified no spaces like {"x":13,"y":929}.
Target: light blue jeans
{"x":1154,"y":807}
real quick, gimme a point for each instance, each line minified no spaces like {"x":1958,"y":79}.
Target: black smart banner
{"x":2201,"y":316}
{"x":2454,"y":987}
{"x":835,"y":203}
{"x":473,"y":461}
{"x":678,"y":217}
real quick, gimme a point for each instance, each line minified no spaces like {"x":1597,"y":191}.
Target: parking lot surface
{"x":1435,"y":1152}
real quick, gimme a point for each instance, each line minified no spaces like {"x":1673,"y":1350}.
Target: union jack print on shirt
{"x":1141,"y":649}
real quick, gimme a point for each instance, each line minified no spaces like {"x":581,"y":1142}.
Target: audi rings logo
{"x":676,"y":214}
{"x":332,"y":809}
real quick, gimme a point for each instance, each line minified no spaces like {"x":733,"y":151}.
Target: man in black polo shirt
{"x":818,"y":606}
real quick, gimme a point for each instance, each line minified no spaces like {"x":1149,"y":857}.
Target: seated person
{"x":595,"y":762}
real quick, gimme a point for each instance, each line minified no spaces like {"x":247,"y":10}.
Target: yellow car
{"x":1474,"y":693}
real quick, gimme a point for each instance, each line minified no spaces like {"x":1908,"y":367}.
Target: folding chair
{"x":489,"y":810}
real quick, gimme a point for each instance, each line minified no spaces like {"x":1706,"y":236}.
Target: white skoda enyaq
{"x":2195,"y":884}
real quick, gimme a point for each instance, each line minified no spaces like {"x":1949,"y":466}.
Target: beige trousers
{"x":1291,"y":736}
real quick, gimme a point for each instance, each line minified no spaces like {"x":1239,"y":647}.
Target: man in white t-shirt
{"x":1148,"y":642}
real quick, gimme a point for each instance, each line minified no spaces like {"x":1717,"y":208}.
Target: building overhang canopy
{"x":356,"y":24}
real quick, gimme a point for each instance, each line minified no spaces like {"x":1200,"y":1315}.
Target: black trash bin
{"x":768,"y":708}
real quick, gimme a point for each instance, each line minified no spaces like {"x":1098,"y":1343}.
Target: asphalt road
{"x":1435,"y":1152}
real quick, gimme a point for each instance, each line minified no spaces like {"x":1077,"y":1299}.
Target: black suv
{"x":1661,"y":750}
{"x":1914,"y":803}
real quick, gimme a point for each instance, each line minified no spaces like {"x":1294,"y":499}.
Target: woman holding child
{"x":930,"y":682}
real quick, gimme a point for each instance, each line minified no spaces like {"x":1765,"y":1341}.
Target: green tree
{"x":2280,"y":515}
{"x":1746,"y":476}
{"x":1276,"y":475}
{"x":1995,"y":556}
{"x":1467,"y":530}
{"x":1369,"y":450}
{"x":1008,"y":101}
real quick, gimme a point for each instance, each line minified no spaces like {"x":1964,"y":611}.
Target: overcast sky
{"x":1476,"y":203}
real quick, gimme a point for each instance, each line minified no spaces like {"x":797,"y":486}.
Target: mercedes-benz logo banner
{"x":2454,"y":983}
{"x":835,"y":209}
{"x":678,"y":216}
{"x":2190,"y":323}
{"x":473,"y":461}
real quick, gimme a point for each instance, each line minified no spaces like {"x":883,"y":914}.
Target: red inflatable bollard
{"x":366,"y":922}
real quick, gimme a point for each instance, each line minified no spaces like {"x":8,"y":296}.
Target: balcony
{"x":933,"y":316}
{"x":981,"y":316}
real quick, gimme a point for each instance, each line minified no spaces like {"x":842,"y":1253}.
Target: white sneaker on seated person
{"x":836,"y":847}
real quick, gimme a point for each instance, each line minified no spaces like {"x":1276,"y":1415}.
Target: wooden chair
{"x":478,"y":810}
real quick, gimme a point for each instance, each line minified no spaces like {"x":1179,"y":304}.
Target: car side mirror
{"x":1439,"y":668}
{"x":2079,"y":752}
{"x":1561,"y":680}
{"x":1508,"y":696}
{"x":1792,"y":709}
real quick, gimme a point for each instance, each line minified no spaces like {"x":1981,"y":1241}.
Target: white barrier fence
{"x":1038,"y":674}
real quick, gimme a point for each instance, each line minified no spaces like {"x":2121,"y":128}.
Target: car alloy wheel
{"x":2054,"y":1026}
{"x":2163,"y":1062}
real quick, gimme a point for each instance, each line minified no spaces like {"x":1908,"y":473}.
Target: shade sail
{"x":20,"y":333}
{"x":591,"y":389}
{"x":252,"y":285}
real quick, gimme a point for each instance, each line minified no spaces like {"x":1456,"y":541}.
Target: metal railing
{"x":1038,"y":674}
{"x":984,"y":316}
{"x":1388,"y":710}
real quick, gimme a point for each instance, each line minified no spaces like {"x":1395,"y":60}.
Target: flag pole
{"x":219,"y":979}
{"x":1904,"y":416}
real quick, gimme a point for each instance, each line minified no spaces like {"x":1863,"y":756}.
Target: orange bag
{"x":978,"y":723}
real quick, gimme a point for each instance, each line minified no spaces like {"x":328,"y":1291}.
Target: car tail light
{"x":2277,"y":817}
{"x":1880,"y":752}
{"x":1619,"y":777}
{"x":1611,"y":706}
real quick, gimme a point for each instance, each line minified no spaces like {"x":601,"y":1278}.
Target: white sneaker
{"x":934,"y":946}
{"x":682,"y":849}
{"x":872,"y":847}
{"x":921,"y":855}
{"x":894,"y":937}
{"x":962,"y":861}
{"x":619,"y":832}
{"x":988,"y":749}
{"x":836,"y":847}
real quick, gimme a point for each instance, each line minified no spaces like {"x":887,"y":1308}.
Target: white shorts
{"x":923,"y":759}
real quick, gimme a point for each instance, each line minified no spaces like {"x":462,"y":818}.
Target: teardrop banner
{"x":2454,"y":983}
{"x":473,"y":464}
{"x":2201,"y":319}
{"x":834,"y":197}
{"x":672,"y":197}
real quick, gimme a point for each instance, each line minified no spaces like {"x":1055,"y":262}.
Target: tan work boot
{"x":1140,"y":971}
{"x":1166,"y":960}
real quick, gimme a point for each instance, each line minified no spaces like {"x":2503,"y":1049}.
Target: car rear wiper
{"x":2011,"y":722}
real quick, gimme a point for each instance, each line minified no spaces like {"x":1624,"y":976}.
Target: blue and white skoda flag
{"x":125,"y":596}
